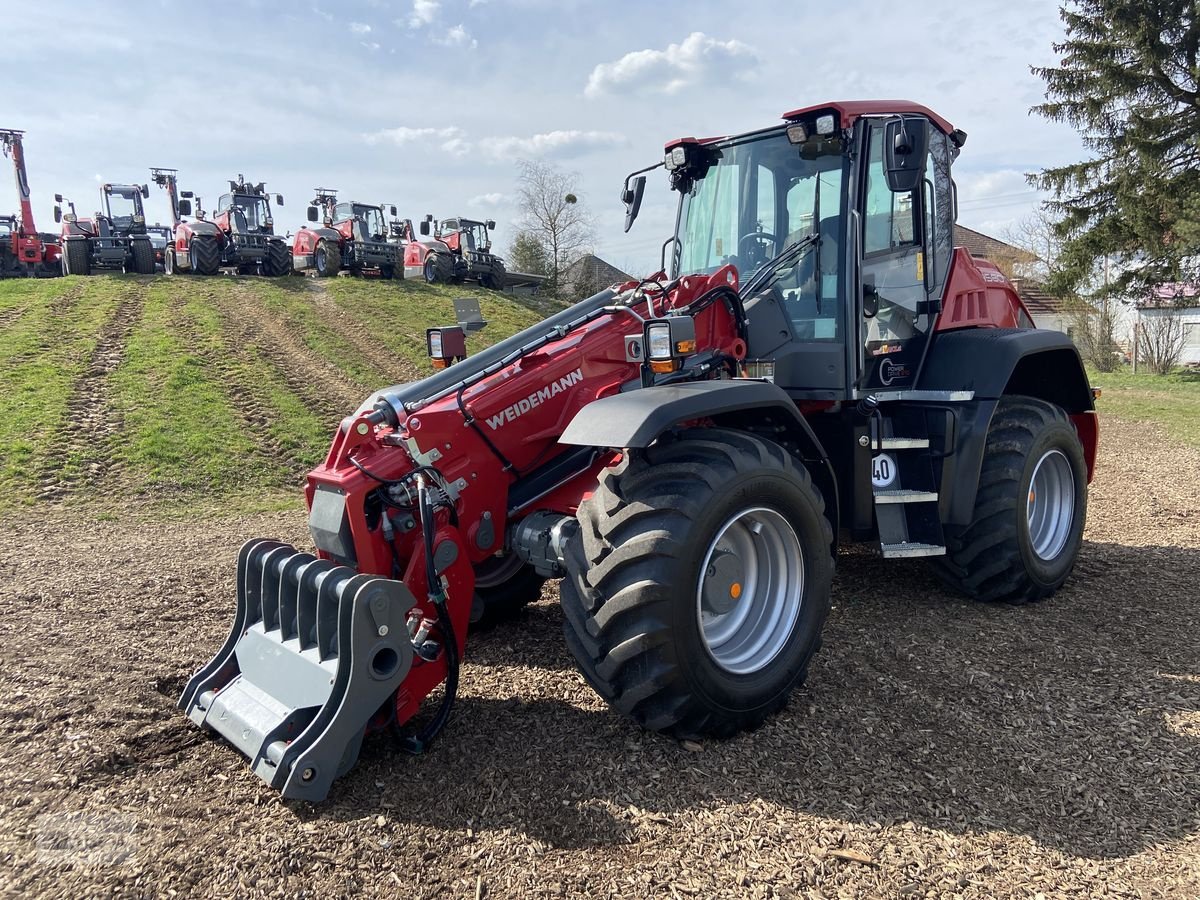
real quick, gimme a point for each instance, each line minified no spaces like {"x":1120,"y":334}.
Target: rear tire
{"x":279,"y":260}
{"x":435,"y":270}
{"x":1030,"y":508}
{"x":504,"y":585}
{"x":655,"y":611}
{"x":77,"y":258}
{"x":143,"y":258}
{"x":205,"y":255}
{"x":327,"y":259}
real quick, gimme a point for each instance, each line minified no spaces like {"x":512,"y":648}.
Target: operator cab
{"x":370,"y":218}
{"x":866,"y":253}
{"x":247,"y":212}
{"x":123,"y":207}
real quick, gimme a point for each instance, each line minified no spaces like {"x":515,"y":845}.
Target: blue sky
{"x":429,"y":103}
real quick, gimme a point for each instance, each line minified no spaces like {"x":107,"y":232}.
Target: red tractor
{"x":23,"y":251}
{"x":115,"y":238}
{"x":432,"y":260}
{"x":470,"y":243}
{"x":353,"y":236}
{"x":247,"y":231}
{"x":195,"y":246}
{"x":816,"y":364}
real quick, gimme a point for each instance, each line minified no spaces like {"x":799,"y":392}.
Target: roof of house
{"x":1172,"y":295}
{"x":979,"y":244}
{"x":1036,"y":300}
{"x":590,"y":269}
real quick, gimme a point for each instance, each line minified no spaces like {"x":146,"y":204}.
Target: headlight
{"x":658,"y":341}
{"x":270,"y":221}
{"x":825,"y":125}
{"x":71,"y":217}
{"x":139,"y":220}
{"x":675,"y":158}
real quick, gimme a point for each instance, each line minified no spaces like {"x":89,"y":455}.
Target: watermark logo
{"x":85,"y":839}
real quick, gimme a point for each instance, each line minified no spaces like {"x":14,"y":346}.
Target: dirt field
{"x":939,"y":749}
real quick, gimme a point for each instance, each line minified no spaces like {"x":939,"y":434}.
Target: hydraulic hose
{"x":420,"y":742}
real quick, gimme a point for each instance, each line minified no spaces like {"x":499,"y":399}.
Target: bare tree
{"x":552,"y":214}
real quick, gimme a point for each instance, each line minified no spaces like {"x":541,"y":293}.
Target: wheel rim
{"x":1050,"y":506}
{"x":192,"y":257}
{"x":750,"y":591}
{"x":495,"y":570}
{"x":430,"y":271}
{"x":320,"y":260}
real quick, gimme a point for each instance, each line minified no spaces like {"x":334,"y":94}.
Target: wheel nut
{"x":307,"y":775}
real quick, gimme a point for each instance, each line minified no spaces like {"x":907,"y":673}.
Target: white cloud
{"x":370,"y":45}
{"x":424,"y":13}
{"x":360,"y":28}
{"x":328,"y":17}
{"x":698,"y":58}
{"x":458,"y":36}
{"x":456,"y":146}
{"x":495,"y":198}
{"x":551,"y":143}
{"x":405,"y":135}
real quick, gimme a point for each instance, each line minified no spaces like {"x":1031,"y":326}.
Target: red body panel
{"x":979,"y":296}
{"x":522,"y":409}
{"x":850,"y":110}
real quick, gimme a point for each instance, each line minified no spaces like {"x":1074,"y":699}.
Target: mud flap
{"x":315,"y":650}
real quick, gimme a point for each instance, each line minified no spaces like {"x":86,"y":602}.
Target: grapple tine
{"x":306,"y":601}
{"x":223,"y":666}
{"x":314,"y":651}
{"x":289,"y":586}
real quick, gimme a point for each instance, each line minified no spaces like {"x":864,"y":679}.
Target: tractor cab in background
{"x":350,"y":236}
{"x":114,"y":238}
{"x":470,"y":243}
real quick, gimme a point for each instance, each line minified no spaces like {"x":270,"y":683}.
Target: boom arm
{"x":14,"y":148}
{"x":166,"y":178}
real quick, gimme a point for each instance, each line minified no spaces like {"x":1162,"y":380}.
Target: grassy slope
{"x":1170,"y":401}
{"x":204,"y":416}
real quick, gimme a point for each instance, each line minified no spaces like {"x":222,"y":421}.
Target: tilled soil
{"x":940,"y":748}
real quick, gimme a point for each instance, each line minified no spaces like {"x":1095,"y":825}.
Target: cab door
{"x":906,"y":243}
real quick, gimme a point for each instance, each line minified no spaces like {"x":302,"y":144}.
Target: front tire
{"x":1030,"y":507}
{"x":143,"y":258}
{"x":77,"y":258}
{"x":327,"y":259}
{"x":699,"y":583}
{"x":279,"y":260}
{"x":205,"y":256}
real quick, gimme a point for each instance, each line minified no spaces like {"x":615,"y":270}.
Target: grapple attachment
{"x":315,"y":650}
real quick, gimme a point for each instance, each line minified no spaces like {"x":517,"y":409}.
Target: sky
{"x":428,"y":104}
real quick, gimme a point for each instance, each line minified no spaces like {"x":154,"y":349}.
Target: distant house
{"x":589,"y":275}
{"x":1182,"y":300}
{"x":1018,"y":263}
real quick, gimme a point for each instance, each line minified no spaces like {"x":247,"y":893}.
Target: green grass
{"x":46,"y":343}
{"x":207,"y":421}
{"x":1169,"y":401}
{"x":403,"y":310}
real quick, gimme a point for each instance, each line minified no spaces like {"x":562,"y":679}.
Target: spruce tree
{"x":1128,"y":81}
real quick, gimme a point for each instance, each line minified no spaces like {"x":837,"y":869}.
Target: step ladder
{"x":903,"y":484}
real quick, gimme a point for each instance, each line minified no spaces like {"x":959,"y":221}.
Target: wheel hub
{"x":1050,"y":506}
{"x":750,"y":590}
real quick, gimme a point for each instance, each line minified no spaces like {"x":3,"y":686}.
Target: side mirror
{"x":58,"y":209}
{"x":279,"y":199}
{"x":145,"y":192}
{"x":312,"y":214}
{"x":905,"y":144}
{"x":632,"y":198}
{"x":393,"y":209}
{"x":187,"y":194}
{"x":185,"y":207}
{"x":58,"y":198}
{"x":491,"y":224}
{"x":425,"y":226}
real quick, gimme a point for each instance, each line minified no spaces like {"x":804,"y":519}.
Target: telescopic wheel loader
{"x":23,"y":250}
{"x":114,"y":238}
{"x":816,"y":363}
{"x":352,"y":236}
{"x":195,"y":246}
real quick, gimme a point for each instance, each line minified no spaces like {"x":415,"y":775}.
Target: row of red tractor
{"x":239,"y":235}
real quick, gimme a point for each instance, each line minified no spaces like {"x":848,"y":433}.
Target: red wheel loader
{"x":195,"y":245}
{"x":114,"y":238}
{"x":23,"y":251}
{"x":815,"y":364}
{"x":248,"y":241}
{"x":470,"y":242}
{"x":353,"y":237}
{"x":432,"y":260}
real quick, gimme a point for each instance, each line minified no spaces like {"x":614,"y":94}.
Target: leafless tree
{"x":552,"y":213}
{"x":1162,"y":335}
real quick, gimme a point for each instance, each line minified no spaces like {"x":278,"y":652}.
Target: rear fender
{"x":638,"y":418}
{"x":993,"y":363}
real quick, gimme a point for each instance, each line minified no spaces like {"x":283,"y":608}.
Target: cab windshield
{"x":475,"y":236}
{"x":254,"y":209}
{"x":760,"y":196}
{"x":372,"y":219}
{"x":122,"y":207}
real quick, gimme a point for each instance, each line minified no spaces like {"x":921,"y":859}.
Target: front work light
{"x":675,"y":159}
{"x":447,"y":345}
{"x":668,"y":341}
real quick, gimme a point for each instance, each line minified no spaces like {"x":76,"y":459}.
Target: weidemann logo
{"x":535,"y":399}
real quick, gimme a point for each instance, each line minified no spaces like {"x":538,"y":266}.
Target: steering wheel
{"x":756,"y":250}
